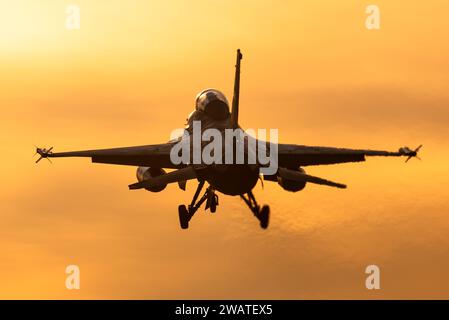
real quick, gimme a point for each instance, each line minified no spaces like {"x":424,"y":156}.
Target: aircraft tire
{"x":264,"y":217}
{"x":213,"y":203}
{"x":183,"y":217}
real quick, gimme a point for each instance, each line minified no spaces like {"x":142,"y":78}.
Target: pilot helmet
{"x":213,"y":103}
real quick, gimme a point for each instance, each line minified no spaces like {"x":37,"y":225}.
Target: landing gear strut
{"x":262,"y":214}
{"x":186,"y":213}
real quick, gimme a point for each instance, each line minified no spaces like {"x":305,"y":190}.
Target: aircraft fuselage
{"x":230,"y":179}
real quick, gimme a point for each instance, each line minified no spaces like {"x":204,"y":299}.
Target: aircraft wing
{"x":156,"y":155}
{"x":291,"y":155}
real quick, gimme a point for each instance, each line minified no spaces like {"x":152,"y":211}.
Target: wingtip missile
{"x":43,"y":153}
{"x":406,"y":151}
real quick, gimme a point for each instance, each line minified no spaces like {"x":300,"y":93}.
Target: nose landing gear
{"x":212,"y":200}
{"x":186,"y":213}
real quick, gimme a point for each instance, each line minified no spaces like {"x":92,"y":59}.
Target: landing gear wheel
{"x":213,"y":203}
{"x":264,"y":217}
{"x":262,"y":214}
{"x":184,"y":217}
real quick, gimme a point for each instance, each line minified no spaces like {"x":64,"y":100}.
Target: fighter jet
{"x":212,"y":110}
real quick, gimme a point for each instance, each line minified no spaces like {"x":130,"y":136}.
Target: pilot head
{"x":213,"y":103}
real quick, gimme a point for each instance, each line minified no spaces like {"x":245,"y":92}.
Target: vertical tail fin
{"x":235,"y":99}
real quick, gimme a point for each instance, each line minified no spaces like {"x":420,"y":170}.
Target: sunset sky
{"x":129,"y":76}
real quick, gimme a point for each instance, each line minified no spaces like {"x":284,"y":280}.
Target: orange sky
{"x":129,"y":76}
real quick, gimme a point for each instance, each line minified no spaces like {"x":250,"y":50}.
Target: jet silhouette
{"x":213,"y":111}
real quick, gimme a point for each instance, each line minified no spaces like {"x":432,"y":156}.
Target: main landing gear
{"x":211,"y":199}
{"x":186,"y":213}
{"x":262,"y":214}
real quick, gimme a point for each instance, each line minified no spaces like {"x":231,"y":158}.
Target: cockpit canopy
{"x":213,"y":103}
